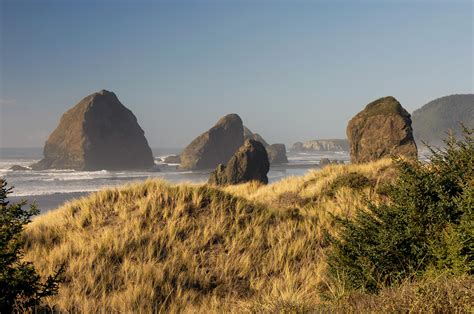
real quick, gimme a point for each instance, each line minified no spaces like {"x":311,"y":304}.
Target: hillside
{"x":158,"y":247}
{"x":433,"y":120}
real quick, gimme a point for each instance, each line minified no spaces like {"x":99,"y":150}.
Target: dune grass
{"x":156,"y":247}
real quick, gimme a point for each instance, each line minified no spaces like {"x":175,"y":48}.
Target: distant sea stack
{"x":249,"y":163}
{"x":215,"y":146}
{"x":276,"y":152}
{"x":97,"y":133}
{"x":433,"y":121}
{"x":333,"y":145}
{"x":254,"y":136}
{"x":382,"y":129}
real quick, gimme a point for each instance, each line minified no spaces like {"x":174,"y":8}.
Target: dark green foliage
{"x":427,"y":224}
{"x":353,"y":180}
{"x":433,"y":120}
{"x":20,"y":286}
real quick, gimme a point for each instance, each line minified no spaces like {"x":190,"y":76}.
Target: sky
{"x":293,"y":70}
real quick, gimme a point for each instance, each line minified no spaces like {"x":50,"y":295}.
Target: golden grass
{"x":156,"y":247}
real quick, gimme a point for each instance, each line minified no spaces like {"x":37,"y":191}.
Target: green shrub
{"x":426,"y":224}
{"x":20,"y":285}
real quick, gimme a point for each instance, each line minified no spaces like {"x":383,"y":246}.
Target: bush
{"x":427,"y":224}
{"x":20,"y":285}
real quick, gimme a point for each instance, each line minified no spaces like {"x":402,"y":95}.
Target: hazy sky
{"x":293,"y":70}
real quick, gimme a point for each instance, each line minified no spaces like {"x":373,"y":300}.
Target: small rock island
{"x":249,"y":163}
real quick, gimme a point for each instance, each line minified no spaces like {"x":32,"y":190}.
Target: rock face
{"x":324,"y":162}
{"x":18,"y":168}
{"x":297,"y":147}
{"x":215,"y":146}
{"x":254,"y":136}
{"x":97,"y":133}
{"x":277,"y":154}
{"x":173,"y":159}
{"x":383,"y":128}
{"x":322,"y":145}
{"x":249,"y":163}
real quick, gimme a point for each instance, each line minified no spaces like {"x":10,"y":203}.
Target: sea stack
{"x":97,"y":133}
{"x":215,"y":146}
{"x":382,"y":129}
{"x":254,"y":136}
{"x":249,"y":163}
{"x":276,"y":152}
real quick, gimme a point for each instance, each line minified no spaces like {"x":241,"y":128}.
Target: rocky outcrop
{"x":326,"y":161}
{"x":254,"y":136}
{"x":215,"y":146}
{"x":277,"y":154}
{"x":18,"y":168}
{"x":97,"y":133}
{"x":249,"y":163}
{"x":173,"y":159}
{"x":333,"y":145}
{"x":297,"y":147}
{"x":382,"y":129}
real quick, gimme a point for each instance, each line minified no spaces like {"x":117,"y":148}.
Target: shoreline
{"x":48,"y":202}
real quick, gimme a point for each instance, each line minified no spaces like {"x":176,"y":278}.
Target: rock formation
{"x":18,"y":168}
{"x":297,"y":147}
{"x":276,"y":154}
{"x":215,"y":146}
{"x":254,"y":136}
{"x":322,"y":145}
{"x":173,"y":159}
{"x":97,"y":133}
{"x":324,"y":162}
{"x":382,"y":129}
{"x":249,"y":163}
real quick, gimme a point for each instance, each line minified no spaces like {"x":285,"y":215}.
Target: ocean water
{"x":51,"y":182}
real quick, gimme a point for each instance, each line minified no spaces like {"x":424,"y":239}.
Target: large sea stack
{"x":249,"y":163}
{"x":97,"y":133}
{"x":382,"y":129}
{"x":215,"y":146}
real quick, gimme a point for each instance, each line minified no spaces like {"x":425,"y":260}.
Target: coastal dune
{"x":154,"y":246}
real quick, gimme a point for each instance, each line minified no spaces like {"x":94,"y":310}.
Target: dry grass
{"x":156,"y":247}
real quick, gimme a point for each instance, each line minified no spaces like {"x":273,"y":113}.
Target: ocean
{"x":51,"y":188}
